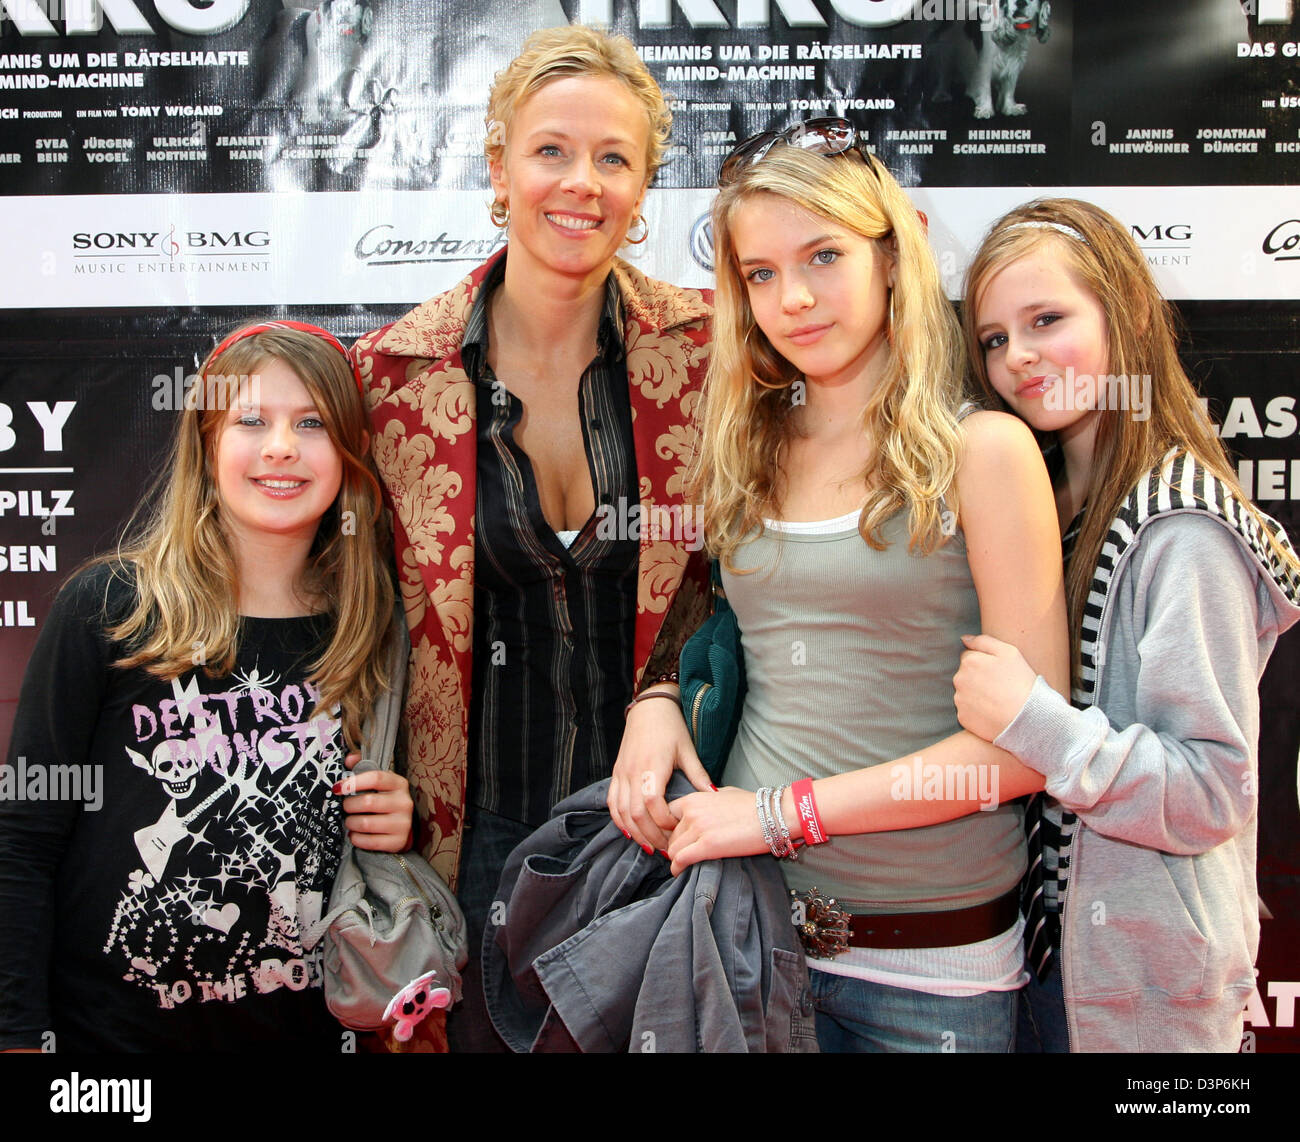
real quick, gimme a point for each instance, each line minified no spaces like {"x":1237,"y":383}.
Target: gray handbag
{"x":394,"y":938}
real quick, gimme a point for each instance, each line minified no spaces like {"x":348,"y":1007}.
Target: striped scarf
{"x":1180,"y":484}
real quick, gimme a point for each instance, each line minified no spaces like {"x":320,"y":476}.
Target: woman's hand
{"x":655,"y":742}
{"x":378,"y":806}
{"x":991,"y":685}
{"x":713,"y":825}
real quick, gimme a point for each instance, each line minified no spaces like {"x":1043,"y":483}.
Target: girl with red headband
{"x":176,"y":807}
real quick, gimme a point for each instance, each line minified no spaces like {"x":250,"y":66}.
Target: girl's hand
{"x":378,"y":806}
{"x":713,"y":825}
{"x":655,"y":742}
{"x":991,"y":685}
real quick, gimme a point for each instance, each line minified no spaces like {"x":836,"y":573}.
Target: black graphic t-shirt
{"x":164,"y":845}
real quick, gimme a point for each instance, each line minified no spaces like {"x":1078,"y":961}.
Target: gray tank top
{"x":849,"y":658}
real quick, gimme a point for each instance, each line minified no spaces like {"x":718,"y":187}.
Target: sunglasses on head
{"x":830,"y":137}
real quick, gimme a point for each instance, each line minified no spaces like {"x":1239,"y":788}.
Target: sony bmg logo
{"x":1161,"y":232}
{"x":170,"y":242}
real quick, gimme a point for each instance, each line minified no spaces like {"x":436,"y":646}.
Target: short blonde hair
{"x":571,"y":52}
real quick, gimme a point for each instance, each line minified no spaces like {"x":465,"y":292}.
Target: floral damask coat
{"x":422,"y":409}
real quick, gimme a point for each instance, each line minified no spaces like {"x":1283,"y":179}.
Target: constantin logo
{"x":1282,"y":243}
{"x":384,"y":245}
{"x":171,"y":250}
{"x":702,"y":241}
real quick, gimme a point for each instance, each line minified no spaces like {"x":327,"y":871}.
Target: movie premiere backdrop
{"x":170,"y":169}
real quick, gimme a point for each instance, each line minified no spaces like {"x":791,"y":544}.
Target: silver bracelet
{"x":776,"y":835}
{"x":778,"y":795}
{"x":765,"y":821}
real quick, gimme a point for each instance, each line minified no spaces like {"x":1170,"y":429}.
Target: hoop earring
{"x":645,"y":231}
{"x":499,"y":212}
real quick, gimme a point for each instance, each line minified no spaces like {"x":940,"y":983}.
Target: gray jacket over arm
{"x":602,"y":949}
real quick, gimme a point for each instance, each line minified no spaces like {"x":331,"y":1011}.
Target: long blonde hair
{"x":747,"y":410}
{"x":1141,"y":343}
{"x":180,"y":563}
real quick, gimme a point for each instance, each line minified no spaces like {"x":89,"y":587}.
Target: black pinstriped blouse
{"x":553,"y":626}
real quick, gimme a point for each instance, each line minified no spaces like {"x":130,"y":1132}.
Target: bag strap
{"x":379,"y":733}
{"x":378,"y":742}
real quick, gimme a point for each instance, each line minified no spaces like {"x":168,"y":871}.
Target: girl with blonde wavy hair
{"x":863,"y":524}
{"x":202,"y":684}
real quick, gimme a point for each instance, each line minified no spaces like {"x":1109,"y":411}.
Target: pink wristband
{"x":806,"y":806}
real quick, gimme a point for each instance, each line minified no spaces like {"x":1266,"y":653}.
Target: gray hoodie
{"x":1160,"y":922}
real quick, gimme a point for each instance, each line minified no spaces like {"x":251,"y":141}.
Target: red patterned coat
{"x":422,"y":409}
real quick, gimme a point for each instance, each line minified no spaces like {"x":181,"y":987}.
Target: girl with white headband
{"x":1178,"y":587}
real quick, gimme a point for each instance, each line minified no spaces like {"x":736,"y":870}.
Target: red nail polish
{"x":627,"y":834}
{"x":338,"y":787}
{"x":647,"y":850}
{"x":713,"y":787}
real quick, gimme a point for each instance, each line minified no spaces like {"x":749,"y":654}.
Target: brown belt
{"x":828,"y":930}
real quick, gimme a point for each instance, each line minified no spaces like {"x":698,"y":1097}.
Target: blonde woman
{"x":202,"y":684}
{"x":522,"y":420}
{"x":863,"y":527}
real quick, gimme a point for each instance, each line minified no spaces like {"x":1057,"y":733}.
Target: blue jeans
{"x":857,"y":1015}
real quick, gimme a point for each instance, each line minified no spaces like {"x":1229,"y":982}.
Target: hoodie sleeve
{"x":1196,"y":626}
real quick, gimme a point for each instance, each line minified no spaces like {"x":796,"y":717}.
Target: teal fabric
{"x":711,"y":671}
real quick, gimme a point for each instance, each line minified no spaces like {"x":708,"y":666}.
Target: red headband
{"x":301,"y":326}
